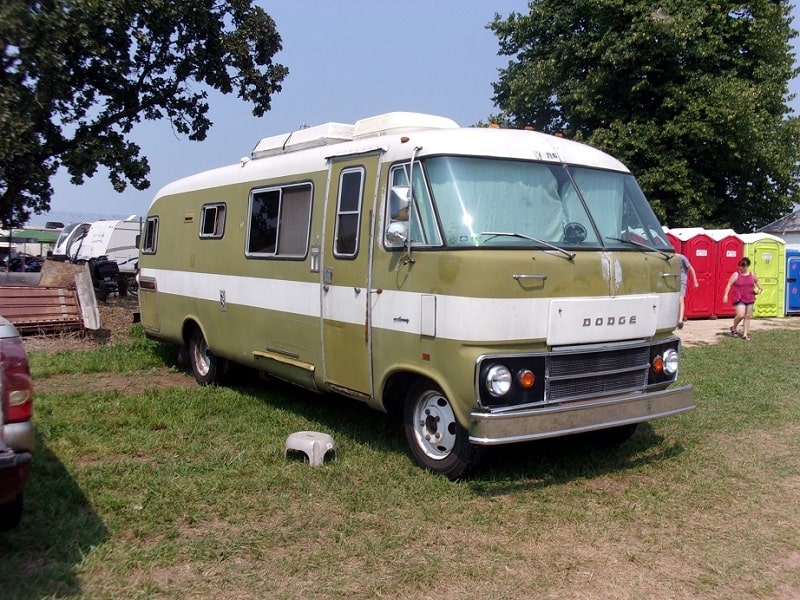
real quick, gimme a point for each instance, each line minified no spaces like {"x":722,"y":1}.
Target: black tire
{"x":11,"y":513}
{"x":122,"y":287}
{"x":436,"y":439}
{"x":133,"y":286}
{"x":206,"y":367}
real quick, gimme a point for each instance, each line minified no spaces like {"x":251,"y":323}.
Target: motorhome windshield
{"x":499,"y":203}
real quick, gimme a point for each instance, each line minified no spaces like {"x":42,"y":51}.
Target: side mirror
{"x":399,"y":201}
{"x":397,"y":233}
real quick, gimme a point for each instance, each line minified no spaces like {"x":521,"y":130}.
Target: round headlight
{"x":498,"y":380}
{"x":671,"y":361}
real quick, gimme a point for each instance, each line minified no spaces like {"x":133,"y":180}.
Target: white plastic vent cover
{"x":399,"y":122}
{"x":310,"y":137}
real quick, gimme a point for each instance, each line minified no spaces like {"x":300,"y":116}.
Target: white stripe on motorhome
{"x":272,"y":294}
{"x":457,"y":317}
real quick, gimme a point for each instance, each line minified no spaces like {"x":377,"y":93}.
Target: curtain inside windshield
{"x":491,"y":202}
{"x":619,"y":209}
{"x":476,"y":197}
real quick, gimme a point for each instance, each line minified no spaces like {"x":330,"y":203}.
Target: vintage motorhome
{"x":491,"y":286}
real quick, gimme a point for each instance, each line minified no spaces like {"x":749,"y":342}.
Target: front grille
{"x":597,"y":373}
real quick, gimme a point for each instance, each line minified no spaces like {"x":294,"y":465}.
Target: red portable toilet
{"x":730,"y":249}
{"x":684,"y":233}
{"x":700,"y":249}
{"x":673,"y":239}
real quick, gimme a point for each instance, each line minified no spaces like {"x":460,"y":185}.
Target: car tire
{"x":11,"y":513}
{"x":436,"y":439}
{"x":206,"y":367}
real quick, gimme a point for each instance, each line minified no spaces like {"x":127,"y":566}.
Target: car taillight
{"x":17,"y":389}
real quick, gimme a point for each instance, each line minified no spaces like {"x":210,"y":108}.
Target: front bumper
{"x":488,"y":429}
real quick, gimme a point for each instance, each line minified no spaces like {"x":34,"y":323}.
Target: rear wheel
{"x":436,"y":439}
{"x":206,"y":367}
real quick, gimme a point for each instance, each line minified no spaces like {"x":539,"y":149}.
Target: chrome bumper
{"x":488,"y":429}
{"x":19,"y":436}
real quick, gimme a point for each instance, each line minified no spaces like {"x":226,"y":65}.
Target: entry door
{"x":345,"y":291}
{"x":768,"y":264}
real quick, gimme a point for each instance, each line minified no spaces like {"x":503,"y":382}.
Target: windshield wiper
{"x":491,"y":234}
{"x":666,"y":256}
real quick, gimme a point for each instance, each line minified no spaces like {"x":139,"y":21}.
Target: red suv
{"x":16,"y":427}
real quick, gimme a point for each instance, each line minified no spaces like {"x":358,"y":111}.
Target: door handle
{"x":519,"y":276}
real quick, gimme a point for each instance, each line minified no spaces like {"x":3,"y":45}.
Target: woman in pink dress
{"x":744,"y":286}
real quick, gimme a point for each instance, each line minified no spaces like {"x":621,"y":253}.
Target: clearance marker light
{"x":658,"y":364}
{"x":526,"y":379}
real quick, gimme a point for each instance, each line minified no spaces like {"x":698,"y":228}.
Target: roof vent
{"x":310,"y":137}
{"x":399,"y":122}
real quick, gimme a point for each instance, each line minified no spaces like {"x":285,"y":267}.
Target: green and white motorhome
{"x":491,"y":286}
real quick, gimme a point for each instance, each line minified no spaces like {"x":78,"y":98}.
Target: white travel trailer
{"x":116,"y":240}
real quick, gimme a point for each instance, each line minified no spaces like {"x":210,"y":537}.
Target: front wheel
{"x":206,"y":367}
{"x":436,"y":439}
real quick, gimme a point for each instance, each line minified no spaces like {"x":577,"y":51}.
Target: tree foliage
{"x":77,"y":75}
{"x":692,"y":95}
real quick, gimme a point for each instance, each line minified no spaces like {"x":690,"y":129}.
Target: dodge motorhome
{"x":489,"y":286}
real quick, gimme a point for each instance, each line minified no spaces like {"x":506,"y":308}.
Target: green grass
{"x":184,"y":492}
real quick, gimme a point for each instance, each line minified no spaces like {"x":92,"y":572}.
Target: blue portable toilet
{"x":792,"y":282}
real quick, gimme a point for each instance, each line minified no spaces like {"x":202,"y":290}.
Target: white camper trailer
{"x":116,"y":240}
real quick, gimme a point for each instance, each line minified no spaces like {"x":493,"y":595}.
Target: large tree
{"x":77,"y":75}
{"x":692,"y":95}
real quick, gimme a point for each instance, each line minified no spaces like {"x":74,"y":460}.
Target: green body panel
{"x":489,"y":274}
{"x":181,"y":248}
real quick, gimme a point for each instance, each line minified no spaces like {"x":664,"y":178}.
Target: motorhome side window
{"x":212,"y":223}
{"x":280,"y":219}
{"x":348,"y":212}
{"x":150,"y":235}
{"x":409,"y":218}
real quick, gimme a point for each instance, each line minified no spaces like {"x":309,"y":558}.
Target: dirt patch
{"x":711,"y":331}
{"x":122,"y":383}
{"x":117,"y":317}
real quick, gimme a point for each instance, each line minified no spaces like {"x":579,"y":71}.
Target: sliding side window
{"x":280,"y":219}
{"x":150,"y":240}
{"x":212,"y":222}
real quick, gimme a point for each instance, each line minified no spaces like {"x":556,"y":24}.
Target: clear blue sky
{"x":347,"y":59}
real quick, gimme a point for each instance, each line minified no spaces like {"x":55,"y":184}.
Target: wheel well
{"x":396,"y":390}
{"x":189,"y":327}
